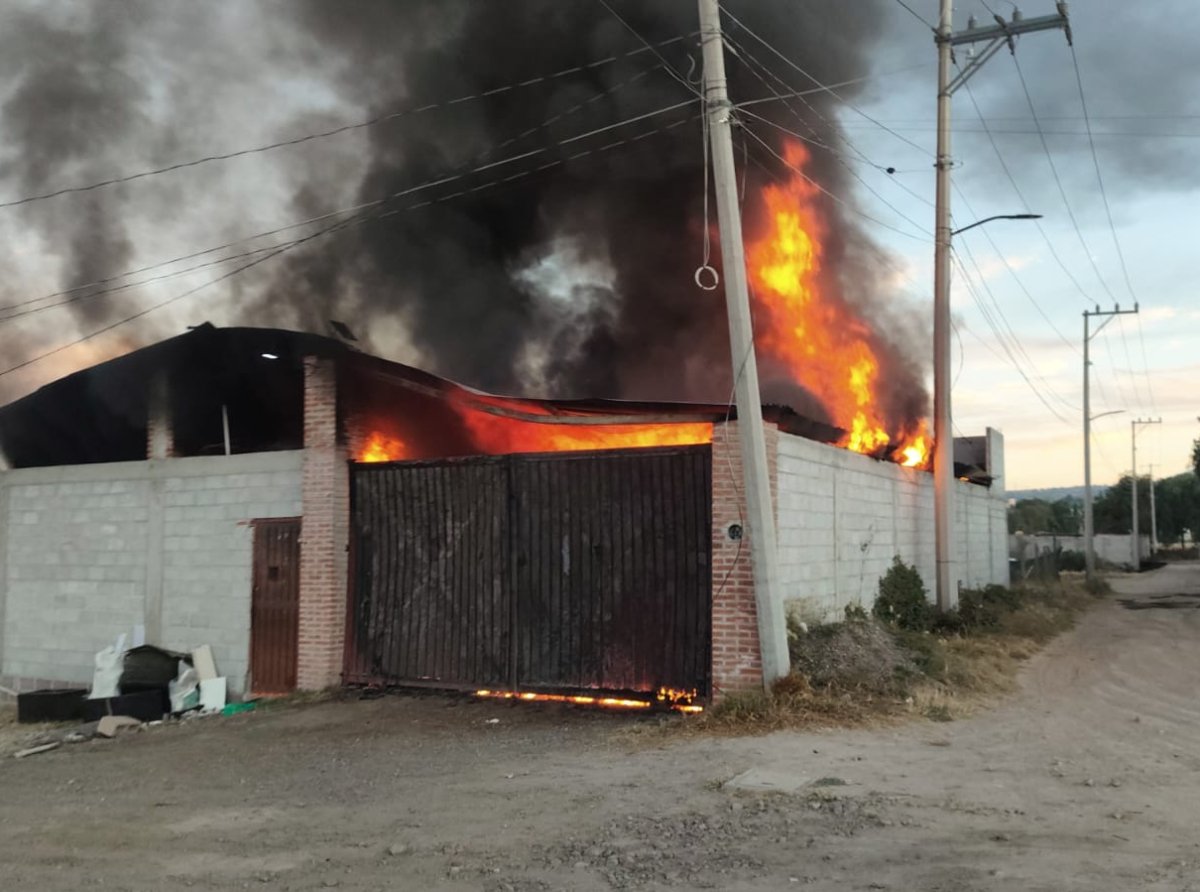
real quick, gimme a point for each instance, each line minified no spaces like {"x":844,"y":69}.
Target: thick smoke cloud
{"x":458,"y":271}
{"x":576,"y":279}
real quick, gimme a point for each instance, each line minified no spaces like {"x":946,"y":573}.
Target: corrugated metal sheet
{"x":570,"y":571}
{"x":275,"y":605}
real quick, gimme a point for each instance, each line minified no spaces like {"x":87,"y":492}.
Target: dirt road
{"x":1089,"y":779}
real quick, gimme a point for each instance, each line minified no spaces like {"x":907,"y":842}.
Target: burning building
{"x":318,"y":514}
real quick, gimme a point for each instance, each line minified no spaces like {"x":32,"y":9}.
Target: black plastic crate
{"x":51,"y":706}
{"x":147,"y":706}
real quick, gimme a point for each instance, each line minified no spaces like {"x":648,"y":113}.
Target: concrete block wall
{"x":89,"y":551}
{"x":842,"y":517}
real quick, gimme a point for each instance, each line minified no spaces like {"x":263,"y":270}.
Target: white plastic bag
{"x":109,"y":666}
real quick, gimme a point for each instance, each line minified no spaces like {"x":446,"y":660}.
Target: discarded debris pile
{"x":131,"y":688}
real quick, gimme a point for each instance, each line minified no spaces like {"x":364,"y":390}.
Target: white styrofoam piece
{"x":212,"y":693}
{"x":206,"y":666}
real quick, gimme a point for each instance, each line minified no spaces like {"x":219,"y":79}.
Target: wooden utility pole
{"x":772,"y":629}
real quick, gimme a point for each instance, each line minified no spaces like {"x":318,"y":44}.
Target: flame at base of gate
{"x":680,"y":701}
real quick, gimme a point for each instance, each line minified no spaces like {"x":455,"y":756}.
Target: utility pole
{"x":1153,"y":517}
{"x":772,"y":630}
{"x":1137,"y":550}
{"x":1089,"y":541}
{"x":1003,"y":33}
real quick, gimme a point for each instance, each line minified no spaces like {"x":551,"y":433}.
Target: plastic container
{"x":51,"y":706}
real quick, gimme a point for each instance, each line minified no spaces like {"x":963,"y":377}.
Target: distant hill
{"x":1054,"y":493}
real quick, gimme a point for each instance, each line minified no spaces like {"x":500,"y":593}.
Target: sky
{"x":1028,"y":281}
{"x":1140,"y":76}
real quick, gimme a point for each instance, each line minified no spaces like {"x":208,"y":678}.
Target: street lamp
{"x":997,"y":217}
{"x":943,"y":430}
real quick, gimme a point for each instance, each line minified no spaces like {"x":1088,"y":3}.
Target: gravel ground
{"x":1086,"y":780}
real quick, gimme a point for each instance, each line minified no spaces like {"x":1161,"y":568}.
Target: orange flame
{"x":814,"y":335}
{"x":380,"y":447}
{"x":499,"y":435}
{"x":676,"y":700}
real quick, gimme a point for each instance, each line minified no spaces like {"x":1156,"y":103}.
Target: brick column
{"x":325,"y":532}
{"x":737,"y":659}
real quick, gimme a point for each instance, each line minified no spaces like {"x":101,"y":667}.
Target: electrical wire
{"x":342,"y":224}
{"x":363,"y":206}
{"x":830,"y":90}
{"x":1006,"y":327}
{"x":1111,"y":226}
{"x":653,"y":48}
{"x":750,"y":62}
{"x":916,"y":15}
{"x":1012,"y":359}
{"x":344,"y":128}
{"x":553,"y":119}
{"x":1071,"y":214}
{"x":832,"y":195}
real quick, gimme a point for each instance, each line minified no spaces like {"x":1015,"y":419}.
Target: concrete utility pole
{"x":1089,"y":538}
{"x":772,"y":630}
{"x":1137,"y":551}
{"x":1153,"y":517}
{"x":1003,"y":33}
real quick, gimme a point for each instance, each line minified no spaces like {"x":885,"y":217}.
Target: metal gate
{"x":550,"y":572}
{"x":275,"y":605}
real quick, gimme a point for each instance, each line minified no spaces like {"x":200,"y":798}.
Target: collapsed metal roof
{"x":99,"y":414}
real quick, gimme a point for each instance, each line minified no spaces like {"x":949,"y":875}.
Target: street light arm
{"x":1113,"y":412}
{"x":997,"y":217}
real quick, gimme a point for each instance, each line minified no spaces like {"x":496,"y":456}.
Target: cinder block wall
{"x":89,"y":551}
{"x":842,"y":517}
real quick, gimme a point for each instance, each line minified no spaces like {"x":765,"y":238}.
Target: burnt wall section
{"x":103,"y":414}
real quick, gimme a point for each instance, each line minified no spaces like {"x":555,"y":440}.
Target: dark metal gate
{"x":552,"y":572}
{"x":275,"y":605}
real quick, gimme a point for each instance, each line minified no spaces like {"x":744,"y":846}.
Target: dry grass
{"x":856,"y":679}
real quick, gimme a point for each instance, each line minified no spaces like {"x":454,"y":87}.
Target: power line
{"x":1111,"y":226}
{"x":1070,"y":212}
{"x":750,"y":61}
{"x":1012,"y":272}
{"x":342,"y":224}
{"x":916,"y":15}
{"x":318,"y":218}
{"x":830,"y":90}
{"x":646,"y":45}
{"x":345,"y":128}
{"x":1006,"y":326}
{"x":832,"y":195}
{"x":999,"y":337}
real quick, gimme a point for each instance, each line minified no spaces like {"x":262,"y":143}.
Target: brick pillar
{"x":737,"y":659}
{"x":325,"y":532}
{"x":160,"y":438}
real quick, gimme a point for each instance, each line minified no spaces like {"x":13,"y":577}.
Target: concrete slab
{"x":768,"y":780}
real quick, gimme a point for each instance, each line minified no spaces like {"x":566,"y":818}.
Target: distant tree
{"x":1196,"y":457}
{"x":1063,"y":516}
{"x":1177,"y":506}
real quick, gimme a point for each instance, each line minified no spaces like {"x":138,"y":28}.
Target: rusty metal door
{"x":275,"y":605}
{"x":551,"y":572}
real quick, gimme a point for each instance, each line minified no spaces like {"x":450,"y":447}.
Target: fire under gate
{"x":566,"y":572}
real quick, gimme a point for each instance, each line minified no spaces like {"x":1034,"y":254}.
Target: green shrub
{"x":856,"y":614}
{"x":903,"y":600}
{"x":926,"y":652}
{"x":984,"y":608}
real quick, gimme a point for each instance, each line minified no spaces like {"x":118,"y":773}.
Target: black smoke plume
{"x":470,"y":275}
